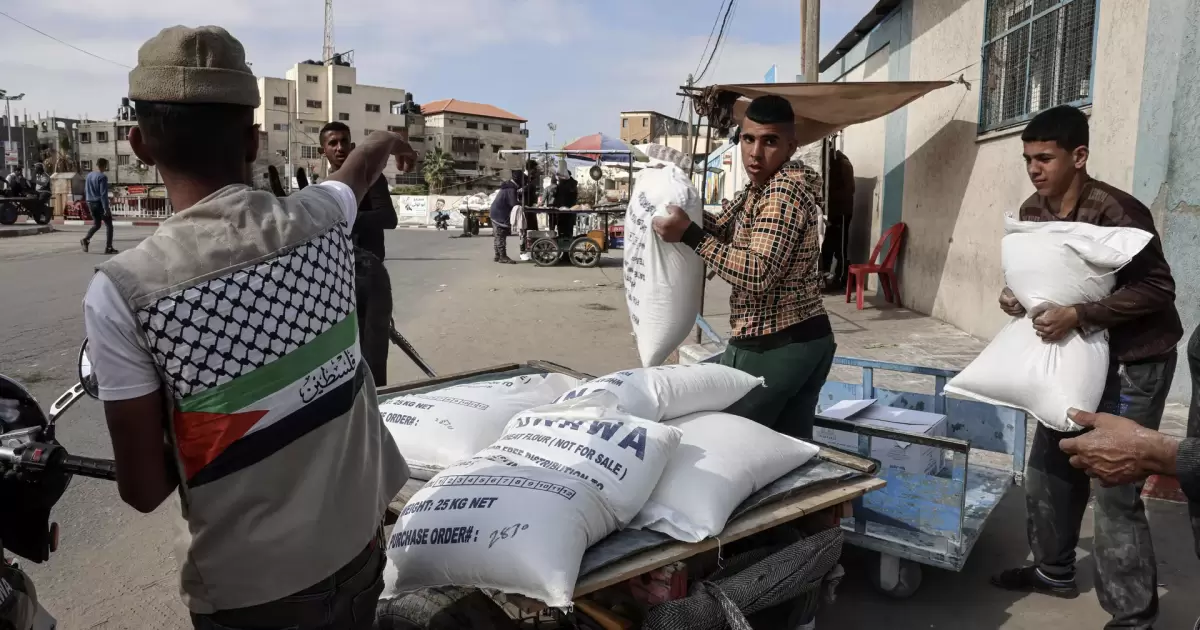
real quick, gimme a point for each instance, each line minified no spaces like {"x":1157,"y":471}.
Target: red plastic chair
{"x":888,"y":281}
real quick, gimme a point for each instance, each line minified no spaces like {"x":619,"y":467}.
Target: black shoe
{"x":1032,"y":580}
{"x":83,"y":243}
{"x":110,"y":251}
{"x":505,"y":260}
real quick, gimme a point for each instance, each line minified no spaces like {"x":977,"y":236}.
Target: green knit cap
{"x":193,"y":65}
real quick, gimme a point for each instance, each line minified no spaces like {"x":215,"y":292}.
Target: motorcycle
{"x":35,"y":470}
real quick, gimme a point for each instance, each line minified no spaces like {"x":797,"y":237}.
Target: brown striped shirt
{"x":1140,"y":314}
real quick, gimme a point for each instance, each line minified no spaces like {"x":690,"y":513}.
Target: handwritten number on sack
{"x":508,"y":532}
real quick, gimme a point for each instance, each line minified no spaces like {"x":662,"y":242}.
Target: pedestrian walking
{"x":96,"y":193}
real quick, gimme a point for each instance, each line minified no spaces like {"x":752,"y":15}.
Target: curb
{"x":147,"y":223}
{"x":1163,"y":488}
{"x":26,"y":231}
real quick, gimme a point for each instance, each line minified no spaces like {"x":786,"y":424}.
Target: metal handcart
{"x":929,"y":519}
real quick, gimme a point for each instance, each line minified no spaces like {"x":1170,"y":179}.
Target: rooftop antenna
{"x":327,"y":52}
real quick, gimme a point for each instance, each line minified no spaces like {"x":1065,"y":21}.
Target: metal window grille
{"x":1037,"y":54}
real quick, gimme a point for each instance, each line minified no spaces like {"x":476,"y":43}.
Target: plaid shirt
{"x":1140,"y":315}
{"x":765,"y":247}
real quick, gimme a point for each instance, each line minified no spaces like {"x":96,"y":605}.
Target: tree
{"x":438,"y":167}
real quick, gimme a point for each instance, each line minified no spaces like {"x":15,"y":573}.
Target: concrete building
{"x":949,"y":165}
{"x":294,"y":109}
{"x":24,"y":138}
{"x":651,"y":127}
{"x":474,"y":134}
{"x":109,"y":139}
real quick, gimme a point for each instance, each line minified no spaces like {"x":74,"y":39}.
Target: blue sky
{"x":577,"y":63}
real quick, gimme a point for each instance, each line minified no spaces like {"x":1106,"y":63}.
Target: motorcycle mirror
{"x":87,"y":378}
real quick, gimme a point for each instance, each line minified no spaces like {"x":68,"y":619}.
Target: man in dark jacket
{"x":1143,"y":329}
{"x":506,"y":199}
{"x":528,"y":198}
{"x":373,"y":285}
{"x":841,"y":211}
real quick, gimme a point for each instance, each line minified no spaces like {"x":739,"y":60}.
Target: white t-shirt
{"x":123,"y":366}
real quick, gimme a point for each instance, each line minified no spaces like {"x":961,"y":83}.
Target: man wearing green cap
{"x":765,"y":247}
{"x":226,"y":352}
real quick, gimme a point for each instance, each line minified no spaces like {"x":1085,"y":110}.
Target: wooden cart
{"x":814,"y":497}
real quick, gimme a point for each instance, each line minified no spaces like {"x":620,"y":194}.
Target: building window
{"x":506,"y":129}
{"x":395,"y":128}
{"x":101,"y":136}
{"x":309,"y":152}
{"x":472,"y":125}
{"x":281,"y":153}
{"x":496,"y":148}
{"x":624,"y":123}
{"x":122,"y":160}
{"x":343,"y":116}
{"x":311,"y":78}
{"x":85,"y":165}
{"x":281,"y":100}
{"x":312,"y":129}
{"x":372,"y":108}
{"x":485,"y":126}
{"x":279,"y":127}
{"x":85,"y":137}
{"x":1037,"y":54}
{"x":344,"y":89}
{"x":313,"y":104}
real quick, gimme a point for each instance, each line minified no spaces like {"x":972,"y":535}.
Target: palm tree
{"x":60,"y":161}
{"x":438,"y":167}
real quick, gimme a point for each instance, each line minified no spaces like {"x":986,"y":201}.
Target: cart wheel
{"x":8,"y":214}
{"x":584,"y":252}
{"x":42,"y":216}
{"x":545,"y":252}
{"x":447,"y":608}
{"x":895,"y":577}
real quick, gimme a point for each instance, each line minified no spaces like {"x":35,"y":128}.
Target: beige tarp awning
{"x":823,"y":109}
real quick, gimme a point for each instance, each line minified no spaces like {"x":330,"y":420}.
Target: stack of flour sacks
{"x":526,"y":473}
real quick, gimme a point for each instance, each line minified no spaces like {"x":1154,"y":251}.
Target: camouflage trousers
{"x":1126,"y":574}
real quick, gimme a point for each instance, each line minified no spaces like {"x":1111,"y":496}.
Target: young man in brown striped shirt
{"x":1143,"y":327}
{"x":765,"y":246}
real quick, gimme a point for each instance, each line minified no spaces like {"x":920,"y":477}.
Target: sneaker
{"x":84,"y":244}
{"x":526,"y":257}
{"x":1032,"y":580}
{"x":110,"y":251}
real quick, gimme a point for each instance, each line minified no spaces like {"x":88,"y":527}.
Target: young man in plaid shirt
{"x":765,"y":246}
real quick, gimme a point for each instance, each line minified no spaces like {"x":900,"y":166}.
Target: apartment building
{"x":474,"y":134}
{"x":311,"y":94}
{"x":109,"y":139}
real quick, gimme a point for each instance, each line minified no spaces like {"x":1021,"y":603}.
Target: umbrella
{"x":604,"y":142}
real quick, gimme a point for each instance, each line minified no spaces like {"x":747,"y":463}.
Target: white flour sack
{"x":439,"y":428}
{"x":1058,"y":263}
{"x":663,"y":281}
{"x":721,"y":461}
{"x":671,"y":391}
{"x":620,"y":456}
{"x":519,"y":529}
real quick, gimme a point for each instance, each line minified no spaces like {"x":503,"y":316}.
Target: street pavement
{"x":116,"y":568}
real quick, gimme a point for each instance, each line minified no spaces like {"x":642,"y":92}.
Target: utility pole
{"x":810,"y":39}
{"x":692,"y":135}
{"x":8,"y":116}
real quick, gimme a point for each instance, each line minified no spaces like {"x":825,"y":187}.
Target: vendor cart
{"x":811,"y":500}
{"x":549,"y":247}
{"x":36,"y":206}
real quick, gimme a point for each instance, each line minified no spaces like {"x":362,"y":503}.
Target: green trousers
{"x":794,"y":376}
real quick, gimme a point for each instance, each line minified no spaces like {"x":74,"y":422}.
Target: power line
{"x":720,"y":36}
{"x":45,"y":34}
{"x":716,"y":21}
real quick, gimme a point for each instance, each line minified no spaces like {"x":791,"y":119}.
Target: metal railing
{"x":141,"y":207}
